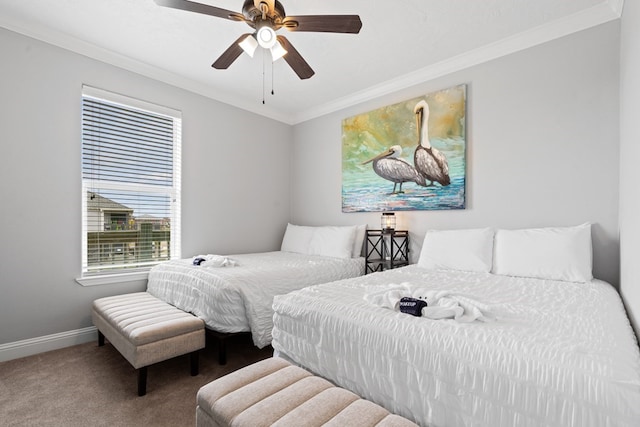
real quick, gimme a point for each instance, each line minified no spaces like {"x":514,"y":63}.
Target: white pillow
{"x":335,"y":242}
{"x":466,"y":250}
{"x":297,"y":238}
{"x":361,"y":231}
{"x":545,"y":253}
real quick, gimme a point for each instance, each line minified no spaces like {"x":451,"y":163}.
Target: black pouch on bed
{"x":198,"y":261}
{"x":412,"y":306}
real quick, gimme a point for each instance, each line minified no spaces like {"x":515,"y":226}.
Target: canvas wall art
{"x":406,"y":156}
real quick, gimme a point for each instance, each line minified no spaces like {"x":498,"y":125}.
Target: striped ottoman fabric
{"x":275,"y":393}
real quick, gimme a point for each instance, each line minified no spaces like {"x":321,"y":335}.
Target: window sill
{"x":109,"y":279}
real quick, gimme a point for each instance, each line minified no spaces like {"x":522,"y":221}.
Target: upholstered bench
{"x":146,"y":330}
{"x":274,"y":392}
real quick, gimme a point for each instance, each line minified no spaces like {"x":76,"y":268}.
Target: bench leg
{"x":142,"y":381}
{"x":100,"y":339}
{"x":195,"y":365}
{"x":222,"y":350}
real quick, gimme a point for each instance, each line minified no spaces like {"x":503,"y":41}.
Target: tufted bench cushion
{"x":146,"y":330}
{"x":274,"y":392}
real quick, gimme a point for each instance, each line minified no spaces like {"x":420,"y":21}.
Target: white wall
{"x":542,"y":147}
{"x":629,"y":158}
{"x":235,"y":185}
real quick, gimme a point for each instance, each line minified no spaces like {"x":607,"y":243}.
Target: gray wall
{"x":630,"y":156}
{"x":542,"y":147}
{"x":235,"y":187}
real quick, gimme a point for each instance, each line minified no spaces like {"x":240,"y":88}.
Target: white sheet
{"x":559,"y":354}
{"x":239,"y":299}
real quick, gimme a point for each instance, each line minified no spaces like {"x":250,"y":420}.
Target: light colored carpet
{"x":87,"y":385}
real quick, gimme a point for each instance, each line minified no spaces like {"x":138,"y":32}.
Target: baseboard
{"x":15,"y":350}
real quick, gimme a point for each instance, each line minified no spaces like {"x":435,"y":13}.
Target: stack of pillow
{"x":332,"y":241}
{"x":563,"y":253}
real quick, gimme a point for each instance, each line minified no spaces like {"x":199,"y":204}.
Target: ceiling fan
{"x":267,"y":17}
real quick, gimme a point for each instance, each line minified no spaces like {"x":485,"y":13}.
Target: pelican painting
{"x":391,"y":167}
{"x":418,"y":144}
{"x":429,"y":162}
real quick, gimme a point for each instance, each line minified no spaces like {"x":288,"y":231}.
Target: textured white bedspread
{"x":239,"y":299}
{"x":559,"y":354}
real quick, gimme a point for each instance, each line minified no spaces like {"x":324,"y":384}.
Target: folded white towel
{"x":441,"y":304}
{"x":216,"y":261}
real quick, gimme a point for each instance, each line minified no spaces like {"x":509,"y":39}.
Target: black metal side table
{"x":385,"y":250}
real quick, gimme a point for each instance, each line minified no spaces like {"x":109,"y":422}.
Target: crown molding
{"x":582,"y":20}
{"x":98,"y":53}
{"x":598,"y":14}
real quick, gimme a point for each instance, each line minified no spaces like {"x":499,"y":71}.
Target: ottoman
{"x":273,"y":392}
{"x":146,"y":330}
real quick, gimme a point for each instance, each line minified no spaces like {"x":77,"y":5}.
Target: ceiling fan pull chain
{"x":263,"y":59}
{"x":272,"y":92}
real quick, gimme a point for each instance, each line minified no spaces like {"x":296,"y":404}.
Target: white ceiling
{"x":402,"y":42}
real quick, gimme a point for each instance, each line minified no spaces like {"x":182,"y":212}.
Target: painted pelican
{"x":429,"y":162}
{"x":391,"y":167}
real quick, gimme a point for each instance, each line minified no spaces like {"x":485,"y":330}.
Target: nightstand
{"x":385,"y":250}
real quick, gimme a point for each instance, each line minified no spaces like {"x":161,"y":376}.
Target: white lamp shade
{"x":249,"y":45}
{"x":277,"y":51}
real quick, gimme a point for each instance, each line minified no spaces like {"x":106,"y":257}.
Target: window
{"x":130,"y":184}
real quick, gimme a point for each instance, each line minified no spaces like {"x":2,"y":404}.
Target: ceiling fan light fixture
{"x":266,"y":37}
{"x":266,"y":17}
{"x":277,"y":51}
{"x":249,"y":45}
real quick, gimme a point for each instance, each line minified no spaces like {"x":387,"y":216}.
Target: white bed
{"x":561,"y":353}
{"x":239,"y":298}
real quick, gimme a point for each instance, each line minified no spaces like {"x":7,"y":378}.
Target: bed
{"x":238,"y":297}
{"x":560,"y":353}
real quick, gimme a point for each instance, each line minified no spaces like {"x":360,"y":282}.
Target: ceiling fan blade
{"x":205,"y":9}
{"x":231,"y":54}
{"x":295,"y":60}
{"x":324,"y":23}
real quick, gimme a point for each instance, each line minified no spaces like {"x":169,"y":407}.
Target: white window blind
{"x":130,"y":183}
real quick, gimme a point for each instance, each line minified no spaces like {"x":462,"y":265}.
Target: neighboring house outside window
{"x":104,"y":214}
{"x":130,"y":182}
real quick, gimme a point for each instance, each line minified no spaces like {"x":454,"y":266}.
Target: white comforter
{"x":558,"y":354}
{"x":239,"y":298}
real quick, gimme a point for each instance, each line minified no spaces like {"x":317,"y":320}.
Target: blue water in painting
{"x":364,"y":191}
